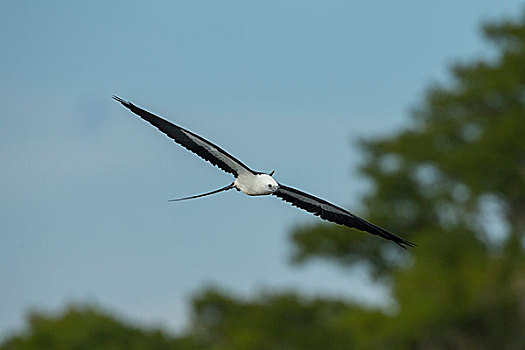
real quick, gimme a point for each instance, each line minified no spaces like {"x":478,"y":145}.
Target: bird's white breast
{"x":256,"y":185}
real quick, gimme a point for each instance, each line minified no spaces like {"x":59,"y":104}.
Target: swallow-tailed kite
{"x":254,"y":183}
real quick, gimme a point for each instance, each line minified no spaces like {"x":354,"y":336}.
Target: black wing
{"x":330,"y":212}
{"x":192,"y":142}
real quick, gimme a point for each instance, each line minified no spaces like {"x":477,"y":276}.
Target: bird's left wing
{"x":192,"y":142}
{"x":333,"y":213}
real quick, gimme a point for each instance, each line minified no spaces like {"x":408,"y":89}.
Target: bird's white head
{"x":267,"y":185}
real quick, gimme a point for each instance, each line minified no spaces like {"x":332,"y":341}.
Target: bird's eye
{"x":270,"y":185}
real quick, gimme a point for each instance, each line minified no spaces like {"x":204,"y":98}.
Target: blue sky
{"x":285,"y":85}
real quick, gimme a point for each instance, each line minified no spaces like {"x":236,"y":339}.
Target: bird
{"x":255,"y":183}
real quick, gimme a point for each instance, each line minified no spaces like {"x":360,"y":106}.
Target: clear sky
{"x":284,"y":85}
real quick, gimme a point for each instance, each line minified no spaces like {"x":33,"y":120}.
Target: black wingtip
{"x":124,"y":102}
{"x":405,"y":244}
{"x":376,"y":230}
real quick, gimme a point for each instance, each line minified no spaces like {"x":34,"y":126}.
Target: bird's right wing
{"x":192,"y":142}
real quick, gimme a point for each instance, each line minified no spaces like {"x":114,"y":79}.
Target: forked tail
{"x":225,"y":188}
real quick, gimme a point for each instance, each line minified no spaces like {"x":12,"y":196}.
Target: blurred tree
{"x":465,"y":149}
{"x":283,"y":321}
{"x":454,"y":182}
{"x":85,"y":327}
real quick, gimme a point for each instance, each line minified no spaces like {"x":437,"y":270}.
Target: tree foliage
{"x":282,"y":321}
{"x":87,"y":327}
{"x":463,"y":149}
{"x":453,"y":182}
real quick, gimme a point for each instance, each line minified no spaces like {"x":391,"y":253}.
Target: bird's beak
{"x":271,"y":174}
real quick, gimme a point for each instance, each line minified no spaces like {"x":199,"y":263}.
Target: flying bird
{"x":254,"y":183}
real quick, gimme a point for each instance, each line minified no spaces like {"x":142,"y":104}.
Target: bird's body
{"x":254,"y":183}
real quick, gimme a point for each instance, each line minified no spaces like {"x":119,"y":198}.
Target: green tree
{"x":271,"y":321}
{"x":86,"y":327}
